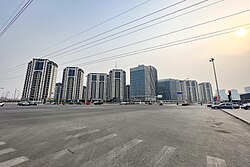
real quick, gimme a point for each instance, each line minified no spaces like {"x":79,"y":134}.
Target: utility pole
{"x":215,"y":76}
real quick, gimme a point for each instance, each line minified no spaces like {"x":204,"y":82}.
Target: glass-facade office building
{"x":170,"y":89}
{"x":143,"y":83}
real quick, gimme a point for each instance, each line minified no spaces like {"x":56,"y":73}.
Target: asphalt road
{"x":121,"y":136}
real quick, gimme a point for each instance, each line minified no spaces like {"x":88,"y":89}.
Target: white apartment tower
{"x":116,"y":85}
{"x":97,"y":86}
{"x":190,"y":91}
{"x":205,"y":92}
{"x":40,"y":80}
{"x":72,"y":84}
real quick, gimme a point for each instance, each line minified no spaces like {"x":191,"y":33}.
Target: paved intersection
{"x":122,"y":136}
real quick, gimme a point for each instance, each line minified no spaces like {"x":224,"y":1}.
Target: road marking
{"x":81,"y":134}
{"x":61,"y":153}
{"x":6,"y":151}
{"x":2,"y":143}
{"x":215,"y":162}
{"x":162,"y":157}
{"x":118,"y":151}
{"x":14,"y":162}
{"x":76,"y":128}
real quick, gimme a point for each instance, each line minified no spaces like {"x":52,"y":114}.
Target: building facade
{"x":247,"y":89}
{"x":127,"y":97}
{"x":116,"y":85}
{"x":190,"y":91}
{"x":205,"y":92}
{"x":245,"y":98}
{"x":97,"y":86}
{"x":170,"y":89}
{"x":72,"y":84}
{"x":143,"y":83}
{"x":40,"y":80}
{"x":58,"y":92}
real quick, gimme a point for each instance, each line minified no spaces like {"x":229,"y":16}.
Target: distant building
{"x":58,"y":92}
{"x":190,"y":91}
{"x":127,"y":97}
{"x":40,"y":80}
{"x":170,"y":89}
{"x":205,"y":92}
{"x":235,"y":95}
{"x":116,"y":85}
{"x":247,"y":89}
{"x":72,"y":84}
{"x":245,"y":98}
{"x":97,"y":86}
{"x":143,"y":83}
{"x":84,"y":93}
{"x":223,"y":95}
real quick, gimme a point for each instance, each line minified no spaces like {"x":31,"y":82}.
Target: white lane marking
{"x":61,"y":153}
{"x":81,"y":134}
{"x":118,"y":151}
{"x":2,"y":143}
{"x":76,"y":128}
{"x":6,"y":151}
{"x":215,"y":162}
{"x":162,"y":157}
{"x":14,"y":162}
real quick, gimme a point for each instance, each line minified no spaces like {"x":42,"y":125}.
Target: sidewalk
{"x":243,"y":115}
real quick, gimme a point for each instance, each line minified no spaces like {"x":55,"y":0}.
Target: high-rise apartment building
{"x":116,"y":85}
{"x":190,"y":91}
{"x":170,"y":89}
{"x":205,"y":92}
{"x":40,"y":80}
{"x":58,"y":92}
{"x":127,"y":97}
{"x":72,"y":84}
{"x":97,"y":86}
{"x":143,"y":83}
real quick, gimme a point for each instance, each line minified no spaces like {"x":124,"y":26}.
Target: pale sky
{"x":46,"y":22}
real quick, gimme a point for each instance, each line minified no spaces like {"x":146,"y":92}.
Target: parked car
{"x":23,"y":103}
{"x":209,"y":104}
{"x":98,"y":102}
{"x":246,"y":106}
{"x":32,"y":103}
{"x":225,"y":105}
{"x":1,"y":103}
{"x":123,"y":103}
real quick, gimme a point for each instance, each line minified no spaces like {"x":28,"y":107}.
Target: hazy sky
{"x":47,"y":22}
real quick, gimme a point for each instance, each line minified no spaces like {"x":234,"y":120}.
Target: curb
{"x":243,"y":120}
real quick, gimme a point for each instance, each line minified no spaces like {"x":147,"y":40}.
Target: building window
{"x":93,"y":77}
{"x":71,"y":72}
{"x":39,"y":65}
{"x":101,"y":78}
{"x":117,"y":75}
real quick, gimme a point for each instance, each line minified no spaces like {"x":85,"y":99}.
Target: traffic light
{"x":229,"y":95}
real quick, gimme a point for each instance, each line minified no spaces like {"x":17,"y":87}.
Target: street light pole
{"x":215,"y":76}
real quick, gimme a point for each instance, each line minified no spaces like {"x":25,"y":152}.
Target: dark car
{"x":23,"y":103}
{"x":246,"y":106}
{"x":226,"y":105}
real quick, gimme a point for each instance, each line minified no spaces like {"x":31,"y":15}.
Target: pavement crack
{"x":71,"y":151}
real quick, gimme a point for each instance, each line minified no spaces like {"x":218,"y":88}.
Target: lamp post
{"x":215,"y":76}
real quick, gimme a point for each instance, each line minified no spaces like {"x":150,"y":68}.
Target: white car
{"x":1,"y":104}
{"x":246,"y":106}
